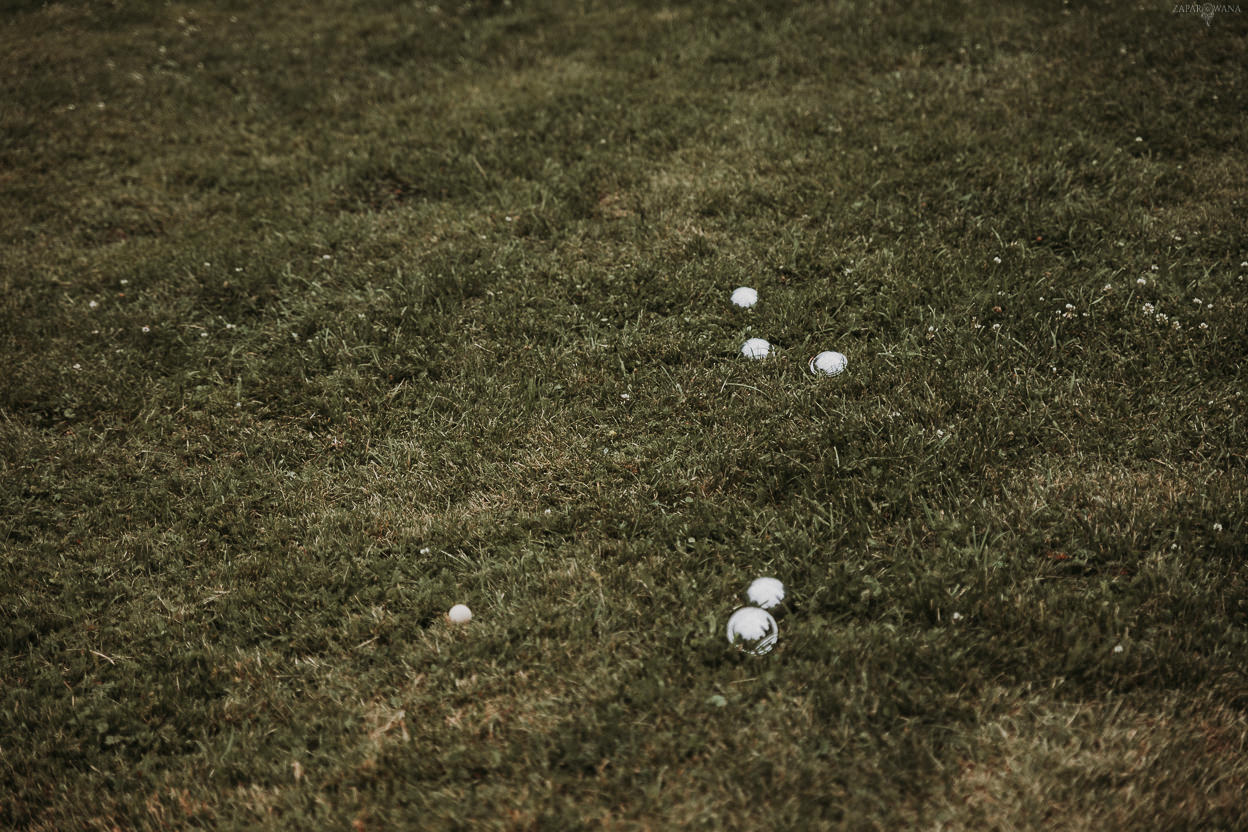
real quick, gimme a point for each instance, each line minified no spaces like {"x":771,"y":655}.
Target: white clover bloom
{"x":124,"y":281}
{"x":92,"y":304}
{"x":1204,"y":325}
{"x":1118,"y":648}
{"x":996,"y":327}
{"x":1155,"y":267}
{"x":1139,"y":281}
{"x":957,"y":616}
{"x":1197,"y":301}
{"x":1107,"y":287}
{"x":1217,"y":527}
{"x":996,"y":259}
{"x":1148,"y":308}
{"x":77,"y":366}
{"x":147,"y":329}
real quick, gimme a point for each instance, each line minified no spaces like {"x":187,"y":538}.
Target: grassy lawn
{"x":319,"y":318}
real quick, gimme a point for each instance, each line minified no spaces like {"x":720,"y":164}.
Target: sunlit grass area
{"x":317,"y":319}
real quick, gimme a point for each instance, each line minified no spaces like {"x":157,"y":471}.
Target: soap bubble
{"x":828,"y":363}
{"x":755,"y":348}
{"x":766,"y":593}
{"x":753,"y":630}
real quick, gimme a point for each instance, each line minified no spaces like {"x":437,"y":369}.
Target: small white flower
{"x":95,"y":332}
{"x":931,"y":329}
{"x":1162,"y":317}
{"x":92,"y":304}
{"x":1197,"y":301}
{"x":957,"y":616}
{"x":1155,"y":267}
{"x":238,"y":268}
{"x":294,"y":335}
{"x":1148,"y":308}
{"x":124,"y":281}
{"x":1139,"y":281}
{"x":547,"y":511}
{"x":940,"y":432}
{"x":996,"y":259}
{"x":1107,"y":287}
{"x":1175,"y":324}
{"x":77,"y":366}
{"x":1217,"y":527}
{"x":206,"y":264}
{"x":326,"y":257}
{"x":203,"y":335}
{"x":996,"y":327}
{"x":237,"y":405}
{"x":425,"y":550}
{"x":624,"y":396}
{"x":1208,"y":305}
{"x":1118,"y":648}
{"x":147,"y":329}
{"x":1139,"y":138}
{"x":1204,"y":325}
{"x":1173,"y":546}
{"x":229,"y":326}
{"x":1244,"y":265}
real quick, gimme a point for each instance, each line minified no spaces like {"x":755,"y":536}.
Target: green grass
{"x":320,"y":318}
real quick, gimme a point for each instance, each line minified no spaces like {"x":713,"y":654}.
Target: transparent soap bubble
{"x":755,"y":348}
{"x":766,"y":593}
{"x":828,"y":363}
{"x":744,"y":296}
{"x":753,"y":630}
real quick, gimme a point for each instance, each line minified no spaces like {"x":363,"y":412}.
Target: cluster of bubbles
{"x":753,"y":629}
{"x":827,"y":363}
